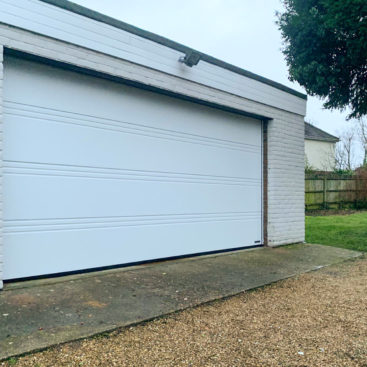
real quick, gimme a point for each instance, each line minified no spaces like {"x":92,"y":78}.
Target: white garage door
{"x":97,"y":173}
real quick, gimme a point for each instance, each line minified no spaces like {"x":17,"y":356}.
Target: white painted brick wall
{"x":1,"y":160}
{"x":285,"y":131}
{"x":286,"y":179}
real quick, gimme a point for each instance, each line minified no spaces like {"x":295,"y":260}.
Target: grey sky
{"x":241,"y":32}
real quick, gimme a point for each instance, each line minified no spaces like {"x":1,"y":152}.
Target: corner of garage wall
{"x":286,"y":179}
{"x":1,"y":161}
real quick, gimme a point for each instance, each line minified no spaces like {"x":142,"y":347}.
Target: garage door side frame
{"x":264,"y":183}
{"x":1,"y":163}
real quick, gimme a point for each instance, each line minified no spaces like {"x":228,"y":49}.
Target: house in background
{"x":319,"y":148}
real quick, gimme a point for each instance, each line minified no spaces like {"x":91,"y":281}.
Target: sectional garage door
{"x":97,"y":173}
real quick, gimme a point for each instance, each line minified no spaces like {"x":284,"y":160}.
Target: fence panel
{"x":333,"y":193}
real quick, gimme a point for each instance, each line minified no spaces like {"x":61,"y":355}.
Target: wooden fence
{"x":335,"y":193}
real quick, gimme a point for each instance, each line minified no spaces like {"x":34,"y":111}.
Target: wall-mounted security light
{"x":190,"y":59}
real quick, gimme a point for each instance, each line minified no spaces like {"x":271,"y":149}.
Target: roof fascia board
{"x":83,"y":11}
{"x":323,"y":140}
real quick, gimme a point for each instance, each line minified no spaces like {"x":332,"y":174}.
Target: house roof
{"x":78,"y":9}
{"x":314,"y":133}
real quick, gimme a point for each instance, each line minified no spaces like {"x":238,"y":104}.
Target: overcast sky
{"x":241,"y":32}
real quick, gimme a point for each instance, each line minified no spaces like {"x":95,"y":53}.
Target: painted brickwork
{"x":286,"y":218}
{"x":285,"y":132}
{"x":1,"y":140}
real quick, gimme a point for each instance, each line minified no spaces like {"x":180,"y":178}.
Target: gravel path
{"x":317,"y":319}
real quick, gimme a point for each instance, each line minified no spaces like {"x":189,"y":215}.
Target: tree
{"x":344,"y":152}
{"x":362,"y":132}
{"x":325,"y":46}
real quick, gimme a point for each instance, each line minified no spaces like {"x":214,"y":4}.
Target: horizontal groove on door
{"x":58,"y":116}
{"x":47,"y":169}
{"x":38,"y":225}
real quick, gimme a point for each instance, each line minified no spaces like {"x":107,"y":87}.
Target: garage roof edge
{"x":81,"y":10}
{"x":79,"y":69}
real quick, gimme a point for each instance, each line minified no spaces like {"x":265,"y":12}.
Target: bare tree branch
{"x":344,"y":152}
{"x":362,"y":134}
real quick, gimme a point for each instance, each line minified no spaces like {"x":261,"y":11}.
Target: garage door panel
{"x":97,"y":173}
{"x":123,"y":103}
{"x":98,"y":246}
{"x":111,"y":147}
{"x":38,"y":196}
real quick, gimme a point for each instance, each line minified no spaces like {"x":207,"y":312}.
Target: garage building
{"x":117,"y":150}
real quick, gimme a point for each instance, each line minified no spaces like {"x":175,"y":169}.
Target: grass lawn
{"x":347,"y":231}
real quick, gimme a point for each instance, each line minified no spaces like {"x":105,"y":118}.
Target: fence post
{"x":324,"y":193}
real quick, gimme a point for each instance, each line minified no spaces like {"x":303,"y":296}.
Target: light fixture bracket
{"x":190,"y":59}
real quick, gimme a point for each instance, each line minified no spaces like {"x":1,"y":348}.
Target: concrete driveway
{"x":38,"y":314}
